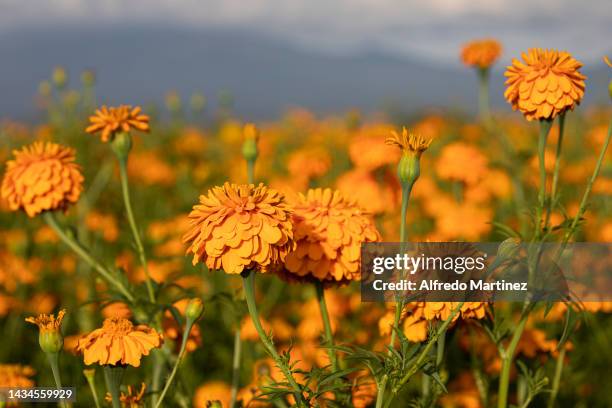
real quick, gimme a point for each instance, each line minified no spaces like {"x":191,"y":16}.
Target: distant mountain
{"x":265,"y":76}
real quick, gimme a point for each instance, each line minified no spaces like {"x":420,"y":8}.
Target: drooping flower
{"x":240,"y":227}
{"x":329,"y":231}
{"x":545,"y":84}
{"x":131,"y":398}
{"x":118,"y":341}
{"x":481,"y":53}
{"x":42,"y":177}
{"x":123,"y":118}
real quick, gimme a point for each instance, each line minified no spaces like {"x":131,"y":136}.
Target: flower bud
{"x":508,"y":248}
{"x":50,"y":341}
{"x":88,"y":78}
{"x":59,"y":77}
{"x":194,"y":309}
{"x":249,"y":147}
{"x":409,"y":168}
{"x":121,"y":145}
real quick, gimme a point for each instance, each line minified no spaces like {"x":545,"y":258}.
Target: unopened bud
{"x":59,"y":77}
{"x":121,"y":145}
{"x":194,"y":309}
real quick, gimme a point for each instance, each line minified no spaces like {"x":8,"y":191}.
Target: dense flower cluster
{"x":41,"y":177}
{"x":329,"y":231}
{"x":545,"y":84}
{"x":240,"y":227}
{"x":481,"y":53}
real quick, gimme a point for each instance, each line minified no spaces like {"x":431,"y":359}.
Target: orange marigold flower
{"x":409,"y":143}
{"x":41,"y":177}
{"x":329,"y":231}
{"x":545,"y":85}
{"x":117,"y":119}
{"x":131,"y":398}
{"x":240,"y":227}
{"x":48,"y":322}
{"x":212,"y":391}
{"x":462,"y":162}
{"x":481,"y":53}
{"x":118,"y":341}
{"x":16,"y":376}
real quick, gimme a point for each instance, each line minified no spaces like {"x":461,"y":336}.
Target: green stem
{"x":329,"y":337}
{"x":406,"y":189}
{"x":557,"y":378}
{"x":250,"y":171}
{"x":483,"y":95}
{"x":545,"y":126}
{"x":587,"y":192}
{"x":125,"y":190}
{"x":177,"y":363}
{"x":54,"y":363}
{"x":399,"y":306}
{"x":416,"y":366}
{"x":507,"y":360}
{"x":248,"y":280}
{"x":236,"y":367}
{"x":555,"y":180}
{"x":73,"y":244}
{"x":92,"y":388}
{"x":112,"y":378}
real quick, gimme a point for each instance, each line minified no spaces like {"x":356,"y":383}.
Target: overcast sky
{"x":429,"y":28}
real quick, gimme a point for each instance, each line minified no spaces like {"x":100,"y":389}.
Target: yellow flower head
{"x":122,"y":118}
{"x":41,"y":177}
{"x":545,"y":84}
{"x":131,"y":398}
{"x":240,"y":227}
{"x":409,"y":142}
{"x":481,"y":53}
{"x":607,"y":61}
{"x":48,"y":322}
{"x":118,"y":341}
{"x":329,"y":231}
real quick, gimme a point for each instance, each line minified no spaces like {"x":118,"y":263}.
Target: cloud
{"x":433,"y":28}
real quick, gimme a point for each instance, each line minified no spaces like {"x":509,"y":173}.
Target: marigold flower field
{"x":176,"y":257}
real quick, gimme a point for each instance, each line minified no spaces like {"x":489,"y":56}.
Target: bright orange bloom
{"x":118,"y":341}
{"x":48,"y":322}
{"x":409,"y":143}
{"x":131,"y":399}
{"x":117,"y":119}
{"x":329,"y":231}
{"x":16,"y":376}
{"x":607,"y":61}
{"x":481,"y":53}
{"x":545,"y":85}
{"x":212,"y":391}
{"x":41,"y":177}
{"x":462,"y":162}
{"x":364,"y":390}
{"x":240,"y":227}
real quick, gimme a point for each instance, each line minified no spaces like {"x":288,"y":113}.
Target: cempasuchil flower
{"x":123,"y":118}
{"x":329,"y":231}
{"x":481,"y":53}
{"x":240,"y":227}
{"x":118,"y":342}
{"x":545,"y":84}
{"x":42,"y":177}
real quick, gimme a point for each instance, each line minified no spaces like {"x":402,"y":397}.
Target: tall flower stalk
{"x":408,"y":171}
